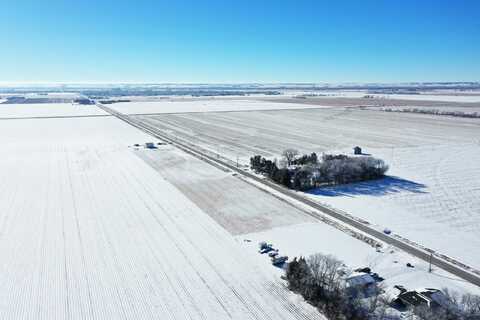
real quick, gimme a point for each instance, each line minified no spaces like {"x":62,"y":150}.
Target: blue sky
{"x":239,"y":41}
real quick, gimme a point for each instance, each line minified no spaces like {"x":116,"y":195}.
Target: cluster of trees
{"x":111,"y":101}
{"x":435,"y":112}
{"x":101,"y":93}
{"x":461,"y":307}
{"x":268,"y":167}
{"x":306,"y":159}
{"x":320,"y":280}
{"x":307,"y":172}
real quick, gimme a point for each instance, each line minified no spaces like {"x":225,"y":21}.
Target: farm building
{"x":82,"y":101}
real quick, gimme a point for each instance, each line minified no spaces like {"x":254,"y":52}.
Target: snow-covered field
{"x":88,"y":230}
{"x":432,"y":197}
{"x":47,"y":110}
{"x":270,"y":132}
{"x":427,"y":96}
{"x":464,"y":109}
{"x":219,"y":194}
{"x":431,"y":97}
{"x":202,"y":105}
{"x":255,"y":216}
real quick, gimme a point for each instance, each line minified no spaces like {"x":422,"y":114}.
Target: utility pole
{"x":430,"y":263}
{"x":237,"y":160}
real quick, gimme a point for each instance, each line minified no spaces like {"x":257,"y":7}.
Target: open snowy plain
{"x":202,"y":105}
{"x":431,"y":197}
{"x":35,"y":110}
{"x":93,"y":227}
{"x":254,"y":216}
{"x":90,"y":230}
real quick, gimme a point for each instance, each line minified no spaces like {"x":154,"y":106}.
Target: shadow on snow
{"x":379,"y":187}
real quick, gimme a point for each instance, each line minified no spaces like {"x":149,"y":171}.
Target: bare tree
{"x":282,"y":163}
{"x":326,"y":271}
{"x":470,"y":306}
{"x":289,"y":155}
{"x":377,"y":304}
{"x":321,"y":281}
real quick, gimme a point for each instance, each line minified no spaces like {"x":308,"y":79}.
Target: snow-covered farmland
{"x":431,"y":109}
{"x":448,"y":96}
{"x":432,"y":196}
{"x":201,"y":105}
{"x":254,"y":216}
{"x":269,"y":132}
{"x":431,"y":97}
{"x":89,"y":230}
{"x":24,"y":135}
{"x":222,"y":196}
{"x":47,"y":110}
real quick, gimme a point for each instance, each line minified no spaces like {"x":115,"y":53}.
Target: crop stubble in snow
{"x":89,"y":230}
{"x":237,"y":206}
{"x":432,"y":197}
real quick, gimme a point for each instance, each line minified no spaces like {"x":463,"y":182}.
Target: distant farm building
{"x":150,"y":145}
{"x":357,"y":150}
{"x":82,"y":101}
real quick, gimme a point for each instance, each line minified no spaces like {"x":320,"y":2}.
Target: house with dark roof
{"x":427,"y":298}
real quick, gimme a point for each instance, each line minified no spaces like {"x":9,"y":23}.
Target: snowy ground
{"x":47,"y":110}
{"x":51,"y":97}
{"x":427,"y":96}
{"x":90,"y":227}
{"x":432,"y":197}
{"x":219,"y":194}
{"x":90,"y":230}
{"x":216,"y":104}
{"x":270,"y":132}
{"x":310,"y":238}
{"x":465,"y":109}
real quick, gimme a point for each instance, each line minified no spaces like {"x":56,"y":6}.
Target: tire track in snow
{"x":79,"y":235}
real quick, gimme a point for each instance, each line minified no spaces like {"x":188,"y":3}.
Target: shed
{"x":357,"y":150}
